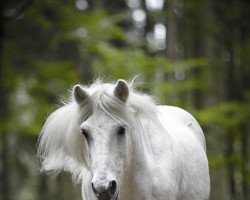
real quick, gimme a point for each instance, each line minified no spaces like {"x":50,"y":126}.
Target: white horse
{"x":121,"y":145}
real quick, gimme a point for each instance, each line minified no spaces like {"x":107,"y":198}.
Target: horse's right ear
{"x":121,"y":90}
{"x":79,"y":94}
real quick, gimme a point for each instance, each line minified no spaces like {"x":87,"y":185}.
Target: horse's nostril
{"x":112,"y":188}
{"x":94,"y":189}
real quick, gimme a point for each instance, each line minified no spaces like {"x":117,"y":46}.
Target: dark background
{"x":189,"y":53}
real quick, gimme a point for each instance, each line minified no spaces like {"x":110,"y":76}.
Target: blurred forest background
{"x":189,"y":53}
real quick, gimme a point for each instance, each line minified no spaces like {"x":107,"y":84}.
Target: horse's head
{"x":105,"y":132}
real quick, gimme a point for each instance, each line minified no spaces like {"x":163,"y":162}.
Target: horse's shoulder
{"x":179,"y":115}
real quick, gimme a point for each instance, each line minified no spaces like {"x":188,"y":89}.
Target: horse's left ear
{"x":79,"y":94}
{"x":121,"y":90}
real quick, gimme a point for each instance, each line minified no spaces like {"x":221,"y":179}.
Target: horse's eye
{"x":85,"y":133}
{"x":121,"y":130}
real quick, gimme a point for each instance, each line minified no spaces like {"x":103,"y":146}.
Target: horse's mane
{"x":62,"y":148}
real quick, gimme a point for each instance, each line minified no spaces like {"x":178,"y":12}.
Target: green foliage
{"x":35,"y":96}
{"x":121,"y":62}
{"x":229,"y":115}
{"x":54,"y":45}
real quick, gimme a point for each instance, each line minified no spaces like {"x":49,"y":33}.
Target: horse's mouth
{"x":115,"y":197}
{"x":112,"y":198}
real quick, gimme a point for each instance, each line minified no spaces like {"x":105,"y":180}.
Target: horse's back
{"x":180,"y":116}
{"x":188,"y":151}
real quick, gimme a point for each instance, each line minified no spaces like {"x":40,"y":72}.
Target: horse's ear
{"x":121,"y":90}
{"x":79,"y":94}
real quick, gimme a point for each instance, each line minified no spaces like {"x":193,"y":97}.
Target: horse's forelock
{"x":137,"y":113}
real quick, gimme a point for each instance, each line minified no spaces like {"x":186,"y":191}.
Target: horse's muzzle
{"x":103,"y":193}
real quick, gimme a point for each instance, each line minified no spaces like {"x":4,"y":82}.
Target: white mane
{"x":62,"y":147}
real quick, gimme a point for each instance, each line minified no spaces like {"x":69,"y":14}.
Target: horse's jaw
{"x":115,"y":197}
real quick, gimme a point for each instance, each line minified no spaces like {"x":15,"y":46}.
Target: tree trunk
{"x":245,"y":84}
{"x":4,"y":168}
{"x":43,"y":188}
{"x":232,"y":94}
{"x":245,"y":160}
{"x":197,"y":52}
{"x":3,"y":114}
{"x":171,"y":27}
